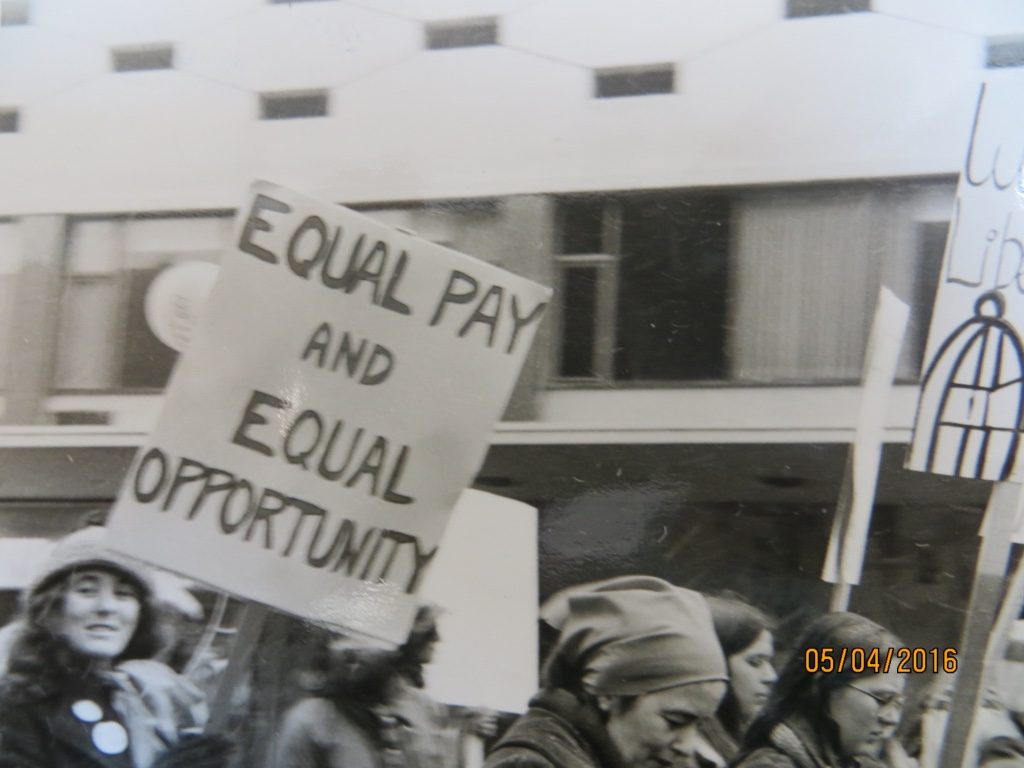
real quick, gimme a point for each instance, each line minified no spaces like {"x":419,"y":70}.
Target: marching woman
{"x":835,"y":718}
{"x":745,"y":634}
{"x":81,"y":689}
{"x":636,"y":665}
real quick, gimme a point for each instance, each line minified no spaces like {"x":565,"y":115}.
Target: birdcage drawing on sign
{"x":972,"y":398}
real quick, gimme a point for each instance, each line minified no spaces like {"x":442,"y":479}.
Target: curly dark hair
{"x":800,"y":693}
{"x":41,"y":662}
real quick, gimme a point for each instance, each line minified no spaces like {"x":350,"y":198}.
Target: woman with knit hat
{"x":81,"y":689}
{"x":636,"y":665}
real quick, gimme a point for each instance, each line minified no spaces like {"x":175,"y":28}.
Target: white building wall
{"x":759,"y":98}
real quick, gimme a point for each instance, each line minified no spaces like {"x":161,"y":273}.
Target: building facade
{"x":715,"y":191}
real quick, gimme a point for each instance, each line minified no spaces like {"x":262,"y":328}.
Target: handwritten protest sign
{"x":971,"y":410}
{"x":332,"y":405}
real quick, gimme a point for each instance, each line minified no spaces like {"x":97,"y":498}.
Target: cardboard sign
{"x":971,"y":410}
{"x":490,"y":615}
{"x":333,"y":403}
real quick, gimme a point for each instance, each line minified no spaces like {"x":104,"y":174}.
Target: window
{"x":796,"y":9}
{"x":634,"y":81}
{"x":1005,"y":52}
{"x":292,"y":105}
{"x":142,"y":58}
{"x":9,"y":120}
{"x":643,"y":287}
{"x":931,"y":247}
{"x":587,"y":285}
{"x":13,"y":13}
{"x":462,"y":33}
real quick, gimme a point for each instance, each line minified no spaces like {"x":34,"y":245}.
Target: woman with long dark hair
{"x":745,"y":634}
{"x":81,"y":689}
{"x":343,"y":724}
{"x":823,"y":717}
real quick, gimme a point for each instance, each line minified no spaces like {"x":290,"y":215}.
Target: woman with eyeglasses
{"x":81,"y":688}
{"x":836,"y":719}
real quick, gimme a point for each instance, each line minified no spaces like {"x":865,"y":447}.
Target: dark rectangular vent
{"x":1005,"y":52}
{"x":82,"y":418}
{"x":293,"y":105}
{"x":143,"y":58}
{"x":289,"y":2}
{"x":797,"y":9}
{"x":634,"y":81}
{"x":13,"y":13}
{"x":462,"y":33}
{"x":9,"y":121}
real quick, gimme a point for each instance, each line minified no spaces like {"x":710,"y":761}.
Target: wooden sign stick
{"x":986,"y":590}
{"x":844,"y":559}
{"x":254,"y":616}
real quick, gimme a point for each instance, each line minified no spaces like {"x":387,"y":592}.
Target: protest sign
{"x":334,"y":401}
{"x":492,"y":615}
{"x":972,"y":397}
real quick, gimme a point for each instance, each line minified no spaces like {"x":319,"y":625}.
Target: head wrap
{"x":83,"y":549}
{"x":631,"y":635}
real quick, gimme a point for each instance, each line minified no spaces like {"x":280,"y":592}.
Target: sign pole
{"x":254,"y":616}
{"x":989,"y":575}
{"x":844,"y":559}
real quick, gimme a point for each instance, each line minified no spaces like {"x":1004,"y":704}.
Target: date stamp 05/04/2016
{"x":879,"y":660}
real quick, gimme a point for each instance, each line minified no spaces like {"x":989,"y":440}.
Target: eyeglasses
{"x":884,"y":699}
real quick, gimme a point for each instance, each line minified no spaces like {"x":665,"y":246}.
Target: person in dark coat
{"x":636,"y":665}
{"x":81,"y":689}
{"x":834,"y":718}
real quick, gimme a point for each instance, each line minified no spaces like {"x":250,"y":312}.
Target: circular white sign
{"x":176,"y":299}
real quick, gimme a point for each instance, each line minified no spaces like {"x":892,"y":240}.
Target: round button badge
{"x":87,"y":711}
{"x":110,"y":738}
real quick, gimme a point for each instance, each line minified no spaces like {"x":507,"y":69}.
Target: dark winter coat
{"x":44,"y":733}
{"x":558,"y":731}
{"x":794,"y":744}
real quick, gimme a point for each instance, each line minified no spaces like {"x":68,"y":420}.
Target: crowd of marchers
{"x":641,"y":673}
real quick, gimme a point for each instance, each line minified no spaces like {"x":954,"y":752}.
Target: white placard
{"x":971,"y":409}
{"x":334,"y":401}
{"x":485,"y":581}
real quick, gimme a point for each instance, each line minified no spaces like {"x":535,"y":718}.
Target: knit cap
{"x":83,"y":549}
{"x":632,"y":635}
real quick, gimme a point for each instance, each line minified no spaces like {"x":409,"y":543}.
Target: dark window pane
{"x":147,"y":360}
{"x":578,"y":321}
{"x":635,"y":82}
{"x":673,"y":282}
{"x":1005,"y":52}
{"x":932,"y":247}
{"x":9,"y":121}
{"x":464,"y":33}
{"x":582,"y":226}
{"x":285,"y":106}
{"x":798,"y":8}
{"x":140,"y":59}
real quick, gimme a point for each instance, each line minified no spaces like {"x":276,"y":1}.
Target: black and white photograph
{"x":511,"y":384}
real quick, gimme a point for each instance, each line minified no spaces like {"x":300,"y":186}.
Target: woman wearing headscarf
{"x":745,"y":634}
{"x":635,"y":666}
{"x":81,"y":689}
{"x":831,"y":719}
